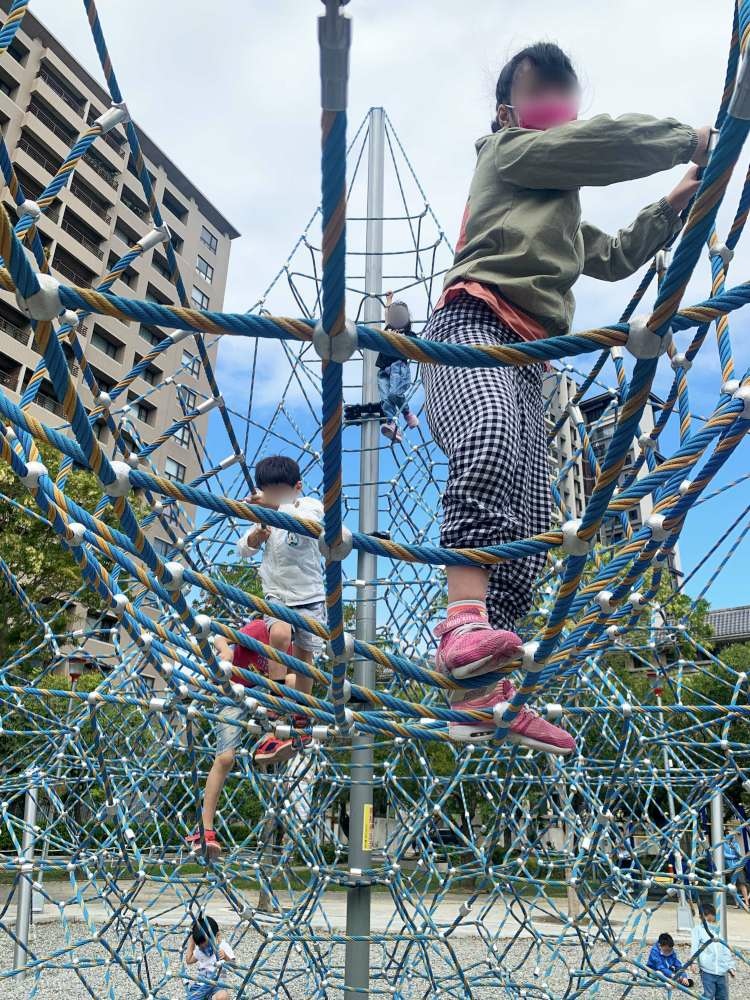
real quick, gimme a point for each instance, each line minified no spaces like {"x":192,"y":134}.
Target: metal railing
{"x":96,"y":206}
{"x":81,"y":237}
{"x":16,"y":332}
{"x":110,"y":176}
{"x":36,"y":154}
{"x":72,"y":102}
{"x":48,"y":403}
{"x":66,"y":136}
{"x":9,"y":380}
{"x":70,"y":272}
{"x":112,"y":139}
{"x":142,"y":213}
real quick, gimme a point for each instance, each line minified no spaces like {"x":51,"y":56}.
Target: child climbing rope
{"x":521,"y":247}
{"x":291,"y":574}
{"x":207,"y":950}
{"x":394,"y":378}
{"x":228,"y":734}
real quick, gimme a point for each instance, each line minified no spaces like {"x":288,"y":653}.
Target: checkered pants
{"x":490,"y":424}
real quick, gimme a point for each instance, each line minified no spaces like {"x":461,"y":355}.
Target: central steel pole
{"x":357,"y":965}
{"x":717,"y":852}
{"x":23,"y":906}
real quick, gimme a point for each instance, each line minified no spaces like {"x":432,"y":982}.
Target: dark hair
{"x":709,"y":910}
{"x":666,"y":940}
{"x":400,"y":302}
{"x":204,"y":929}
{"x":550,"y":64}
{"x":277,"y":470}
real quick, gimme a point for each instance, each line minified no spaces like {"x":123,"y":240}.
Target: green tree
{"x":43,"y":568}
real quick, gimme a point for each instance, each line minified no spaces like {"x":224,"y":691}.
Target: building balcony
{"x":49,"y":403}
{"x":98,"y":208}
{"x":76,"y":103}
{"x":9,"y":380}
{"x":65,"y":135}
{"x":101,"y":170}
{"x":38,"y":155}
{"x":80,"y":237}
{"x":76,"y":277}
{"x":16,"y":332}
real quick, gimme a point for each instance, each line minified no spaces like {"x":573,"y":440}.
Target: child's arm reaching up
{"x":190,"y":958}
{"x":252,"y":540}
{"x":611,"y":258}
{"x":596,"y":151}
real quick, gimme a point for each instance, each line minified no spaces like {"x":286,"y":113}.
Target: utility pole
{"x":357,"y":964}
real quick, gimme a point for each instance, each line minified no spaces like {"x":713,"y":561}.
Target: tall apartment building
{"x":46,"y":99}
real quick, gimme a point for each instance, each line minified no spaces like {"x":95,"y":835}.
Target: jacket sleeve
{"x":592,"y":152}
{"x":244,"y":550}
{"x":611,"y":258}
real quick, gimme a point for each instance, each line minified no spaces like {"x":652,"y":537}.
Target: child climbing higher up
{"x":394,"y":377}
{"x":521,"y":248}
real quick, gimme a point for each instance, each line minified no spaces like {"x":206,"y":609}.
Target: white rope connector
{"x":177,"y":572}
{"x":133,"y":460}
{"x":154,"y":237}
{"x":157,"y":506}
{"x":176,"y":336}
{"x":642,"y":342}
{"x":656,"y":524}
{"x":202,"y":624}
{"x":637,"y":600}
{"x":209,"y":404}
{"x":121,"y":486}
{"x":44,"y":304}
{"x":739,"y":106}
{"x":344,"y":657}
{"x":574,"y":412}
{"x":627,"y":709}
{"x":572,"y":544}
{"x":114,"y":115}
{"x":339,"y":348}
{"x":681,"y":361}
{"x":646,"y":442}
{"x":104,"y":400}
{"x":335,"y":553}
{"x":147,"y":640}
{"x":69,"y":318}
{"x":77,"y":533}
{"x":34,"y":472}
{"x":604,"y":600}
{"x":661,"y":260}
{"x":119,"y":602}
{"x":729,"y":387}
{"x":528,"y":657}
{"x":321,"y":733}
{"x":31,"y":208}
{"x":553,"y":711}
{"x":723,"y":251}
{"x":743,"y":394}
{"x":616,"y":352}
{"x":684,"y":487}
{"x":226,"y":669}
{"x":498,"y":711}
{"x":229,"y":461}
{"x":613,"y":632}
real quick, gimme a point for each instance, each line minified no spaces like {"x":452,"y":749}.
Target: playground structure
{"x":101,"y":786}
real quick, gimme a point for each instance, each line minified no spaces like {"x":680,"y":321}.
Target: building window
{"x":209,"y":239}
{"x":103,"y":344}
{"x":188,"y":397}
{"x":176,"y":207}
{"x":200,"y":299}
{"x":162,"y":546}
{"x":191,"y":363}
{"x":174,"y":470}
{"x":100,"y":430}
{"x":204,"y":269}
{"x":151,"y":375}
{"x":151,"y":336}
{"x":144,"y":413}
{"x":182,"y":436}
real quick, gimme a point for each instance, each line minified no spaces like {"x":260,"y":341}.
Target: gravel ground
{"x":461,"y":967}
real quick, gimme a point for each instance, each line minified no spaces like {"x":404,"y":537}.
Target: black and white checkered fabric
{"x":490,"y":424}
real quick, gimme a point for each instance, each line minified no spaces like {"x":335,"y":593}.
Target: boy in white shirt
{"x":206,"y":949}
{"x":291,"y":574}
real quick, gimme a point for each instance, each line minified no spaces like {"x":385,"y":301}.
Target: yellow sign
{"x":367,"y":823}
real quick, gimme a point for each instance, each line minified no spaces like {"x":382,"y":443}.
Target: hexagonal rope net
{"x":493,"y":868}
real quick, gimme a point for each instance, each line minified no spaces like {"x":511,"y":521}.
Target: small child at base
{"x":394,"y":375}
{"x":521,"y":248}
{"x":662,"y":958}
{"x":291,"y":574}
{"x":715,"y":960}
{"x":206,"y":949}
{"x":229,"y":736}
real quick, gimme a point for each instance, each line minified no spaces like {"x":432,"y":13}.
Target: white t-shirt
{"x":291,"y":570}
{"x":208,"y":962}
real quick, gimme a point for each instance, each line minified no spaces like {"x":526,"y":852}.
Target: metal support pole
{"x":357,"y":967}
{"x":23,"y":906}
{"x":717,"y":853}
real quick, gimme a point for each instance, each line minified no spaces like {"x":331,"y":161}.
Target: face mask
{"x":546,"y":113}
{"x":398,"y":316}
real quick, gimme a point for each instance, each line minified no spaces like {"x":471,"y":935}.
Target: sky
{"x":230,"y":92}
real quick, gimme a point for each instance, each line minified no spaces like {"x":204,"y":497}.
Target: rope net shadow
{"x":490,"y":867}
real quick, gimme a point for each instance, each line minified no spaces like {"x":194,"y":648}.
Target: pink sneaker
{"x":412,"y":420}
{"x":528,"y":729}
{"x":469,"y":645}
{"x":390,"y":430}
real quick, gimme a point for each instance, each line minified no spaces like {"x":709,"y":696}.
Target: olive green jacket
{"x":522,"y":231}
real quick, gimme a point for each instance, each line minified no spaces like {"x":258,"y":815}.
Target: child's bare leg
{"x":280,"y":636}
{"x":467,"y":583}
{"x":302,"y":682}
{"x":222,"y":765}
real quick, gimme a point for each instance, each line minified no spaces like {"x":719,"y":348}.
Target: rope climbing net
{"x":488,"y":867}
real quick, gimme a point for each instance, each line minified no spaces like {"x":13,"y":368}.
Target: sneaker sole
{"x":470,"y":734}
